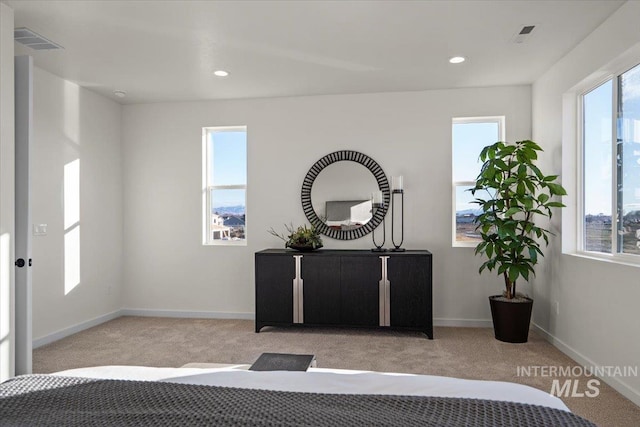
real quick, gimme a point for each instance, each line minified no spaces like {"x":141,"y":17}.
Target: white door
{"x":23,"y":129}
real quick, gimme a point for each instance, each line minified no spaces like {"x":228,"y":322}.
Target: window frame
{"x":501,"y":121}
{"x":580,"y":244}
{"x":207,"y":239}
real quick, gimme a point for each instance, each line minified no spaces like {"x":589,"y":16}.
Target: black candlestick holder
{"x":378,"y":248}
{"x":397,"y":247}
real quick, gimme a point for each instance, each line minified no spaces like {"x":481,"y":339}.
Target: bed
{"x":232,"y":395}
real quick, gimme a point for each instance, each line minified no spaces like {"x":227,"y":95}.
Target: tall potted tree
{"x":512,"y":193}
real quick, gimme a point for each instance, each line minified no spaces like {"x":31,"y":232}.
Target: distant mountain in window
{"x":475,"y":212}
{"x":229,"y":210}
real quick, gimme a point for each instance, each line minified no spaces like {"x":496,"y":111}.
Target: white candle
{"x":377,"y":197}
{"x":396,"y":182}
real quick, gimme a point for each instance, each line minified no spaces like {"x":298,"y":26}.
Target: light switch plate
{"x":39,"y":229}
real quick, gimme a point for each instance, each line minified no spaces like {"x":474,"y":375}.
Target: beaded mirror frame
{"x":340,"y":156}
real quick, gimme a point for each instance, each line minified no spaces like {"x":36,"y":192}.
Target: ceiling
{"x":167,"y":50}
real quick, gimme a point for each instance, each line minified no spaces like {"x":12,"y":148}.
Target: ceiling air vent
{"x":33,"y":40}
{"x":524,"y":34}
{"x":527,"y":29}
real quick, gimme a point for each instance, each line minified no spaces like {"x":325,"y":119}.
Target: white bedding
{"x":322,"y":380}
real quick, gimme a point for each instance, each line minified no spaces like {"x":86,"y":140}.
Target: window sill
{"x":471,"y":245}
{"x":628,"y":260}
{"x":227,"y":243}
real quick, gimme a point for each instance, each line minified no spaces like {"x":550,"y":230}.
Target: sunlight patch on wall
{"x":71,"y":259}
{"x":71,"y":225}
{"x":6,"y":311}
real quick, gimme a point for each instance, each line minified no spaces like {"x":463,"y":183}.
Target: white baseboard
{"x":464,"y":323}
{"x":185,"y":314}
{"x":47,"y":339}
{"x":63,"y":333}
{"x":468,"y":323}
{"x":615,"y":382}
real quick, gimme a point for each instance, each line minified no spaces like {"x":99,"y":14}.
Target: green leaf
{"x":531,"y":186}
{"x":536,"y":170}
{"x":483,"y":153}
{"x":489,"y":172}
{"x":514,"y":273}
{"x":510,"y":181}
{"x":506,"y":151}
{"x":529,"y":154}
{"x":528,"y":204}
{"x":501,"y":165}
{"x":550,"y":178}
{"x":533,"y":145}
{"x":556,"y":189}
{"x":489,"y":250}
{"x":511,"y":211}
{"x":555,"y":205}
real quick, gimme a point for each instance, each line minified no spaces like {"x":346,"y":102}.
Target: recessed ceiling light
{"x":457,"y":59}
{"x":120,"y":93}
{"x":221,"y":73}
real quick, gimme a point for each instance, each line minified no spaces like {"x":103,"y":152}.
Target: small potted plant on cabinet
{"x":302,"y":238}
{"x":512,"y":193}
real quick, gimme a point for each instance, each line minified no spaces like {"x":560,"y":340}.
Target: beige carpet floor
{"x":470,"y":353}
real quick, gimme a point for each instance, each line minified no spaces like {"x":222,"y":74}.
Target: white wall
{"x":73,"y":123}
{"x":408,"y":134}
{"x":7,"y":205}
{"x":598,"y":319}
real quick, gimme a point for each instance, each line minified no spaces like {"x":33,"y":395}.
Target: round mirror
{"x":337,"y":195}
{"x":341,"y":195}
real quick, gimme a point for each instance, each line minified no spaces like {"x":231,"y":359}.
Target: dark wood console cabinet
{"x":344,"y":288}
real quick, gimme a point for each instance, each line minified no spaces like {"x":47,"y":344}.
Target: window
{"x":610,"y":128}
{"x":469,"y":136}
{"x":224,"y":154}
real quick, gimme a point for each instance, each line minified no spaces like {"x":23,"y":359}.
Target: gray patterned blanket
{"x":44,"y":400}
